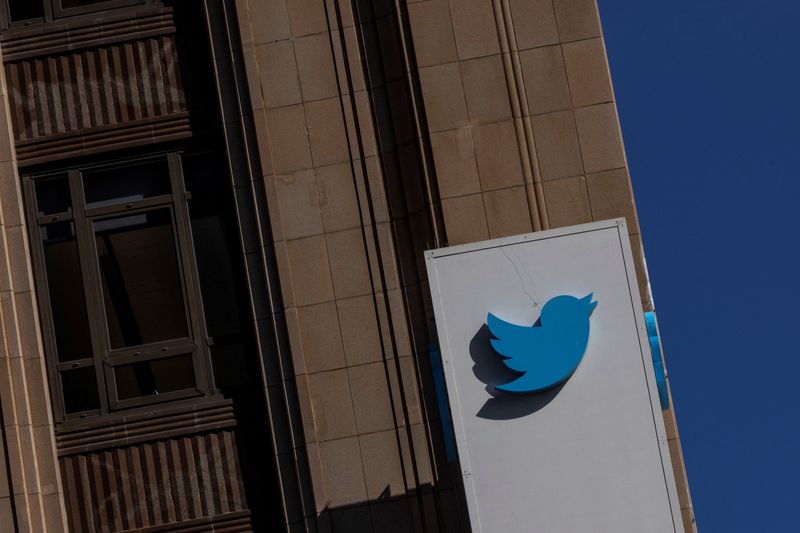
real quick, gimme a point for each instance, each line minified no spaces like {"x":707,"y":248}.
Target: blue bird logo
{"x":549,"y":351}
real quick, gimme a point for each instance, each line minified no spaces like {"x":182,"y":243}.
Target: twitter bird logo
{"x":549,"y":351}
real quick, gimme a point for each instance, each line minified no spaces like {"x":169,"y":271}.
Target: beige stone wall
{"x":522,"y":117}
{"x":524,"y":128}
{"x":336,"y":236}
{"x":34,"y":487}
{"x":400,"y":127}
{"x":518,"y":114}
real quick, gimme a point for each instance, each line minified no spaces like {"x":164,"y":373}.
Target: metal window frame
{"x":7,"y":23}
{"x":53,"y":11}
{"x":105,"y":359}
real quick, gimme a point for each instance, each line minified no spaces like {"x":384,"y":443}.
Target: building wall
{"x":388,"y":128}
{"x":343,"y":193}
{"x":29,"y":478}
{"x":379,"y":130}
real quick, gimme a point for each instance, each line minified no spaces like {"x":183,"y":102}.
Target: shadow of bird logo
{"x":548,"y":352}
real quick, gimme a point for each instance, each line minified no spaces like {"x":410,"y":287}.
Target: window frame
{"x":104,"y":359}
{"x":52,"y":11}
{"x":61,"y":12}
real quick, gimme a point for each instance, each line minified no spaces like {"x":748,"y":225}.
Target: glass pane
{"x":142,"y":289}
{"x":52,"y":196}
{"x":126,"y":184}
{"x":216,"y":274}
{"x":25,"y":9}
{"x":65,"y":287}
{"x":154,"y":377}
{"x":204,"y":174}
{"x":229,"y":365}
{"x":80,"y":390}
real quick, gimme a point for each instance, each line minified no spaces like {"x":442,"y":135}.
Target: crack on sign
{"x":530,"y":293}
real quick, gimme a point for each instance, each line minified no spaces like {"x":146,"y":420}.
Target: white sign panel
{"x":590,"y":452}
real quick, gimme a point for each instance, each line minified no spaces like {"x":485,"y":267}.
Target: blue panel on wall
{"x":444,"y":405}
{"x":658,"y":360}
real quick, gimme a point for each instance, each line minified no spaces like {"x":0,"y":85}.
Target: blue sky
{"x":708,"y":98}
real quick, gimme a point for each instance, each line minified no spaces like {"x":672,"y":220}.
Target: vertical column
{"x":523,"y":126}
{"x":325,"y":171}
{"x":24,"y":395}
{"x":482,"y":163}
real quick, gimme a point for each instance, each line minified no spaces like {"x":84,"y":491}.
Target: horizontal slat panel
{"x":227,"y":523}
{"x":167,"y":485}
{"x":100,"y":87}
{"x":146,"y":426}
{"x":87,"y":89}
{"x":138,"y":133}
{"x":81,"y":33}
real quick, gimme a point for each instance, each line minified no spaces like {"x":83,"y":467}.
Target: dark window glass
{"x":25,"y":9}
{"x":229,"y":364}
{"x":66,"y":291}
{"x":203,"y":174}
{"x":216,"y":275}
{"x":142,"y":289}
{"x":66,"y":4}
{"x":215,"y":268}
{"x":52,"y":196}
{"x":126,"y":184}
{"x":219,"y":297}
{"x":80,"y":390}
{"x":154,"y":377}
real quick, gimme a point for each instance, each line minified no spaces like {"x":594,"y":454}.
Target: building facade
{"x":214,"y":306}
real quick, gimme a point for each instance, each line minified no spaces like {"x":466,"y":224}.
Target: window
{"x":121,"y":312}
{"x":27,"y":11}
{"x":19,"y":10}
